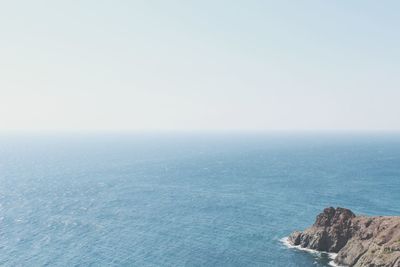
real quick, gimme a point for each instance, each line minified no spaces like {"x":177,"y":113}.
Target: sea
{"x":184,"y":199}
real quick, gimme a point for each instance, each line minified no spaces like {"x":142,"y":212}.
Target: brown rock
{"x":359,"y":240}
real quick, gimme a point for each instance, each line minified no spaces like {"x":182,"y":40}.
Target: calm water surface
{"x":183,"y":200}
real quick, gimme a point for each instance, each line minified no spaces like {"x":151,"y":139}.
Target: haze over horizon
{"x":199,"y":65}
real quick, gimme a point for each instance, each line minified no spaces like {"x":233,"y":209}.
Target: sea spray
{"x":332,"y":256}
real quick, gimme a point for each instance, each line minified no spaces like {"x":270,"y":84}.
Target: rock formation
{"x":359,"y":241}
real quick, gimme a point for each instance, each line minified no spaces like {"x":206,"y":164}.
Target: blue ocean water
{"x":183,"y":199}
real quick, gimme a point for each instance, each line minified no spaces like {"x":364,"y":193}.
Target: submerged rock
{"x":359,"y":240}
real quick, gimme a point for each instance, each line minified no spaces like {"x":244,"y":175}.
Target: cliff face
{"x":359,"y":240}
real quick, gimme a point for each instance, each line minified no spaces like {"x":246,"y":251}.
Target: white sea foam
{"x":332,"y":256}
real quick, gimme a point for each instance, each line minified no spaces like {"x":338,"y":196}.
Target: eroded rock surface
{"x":360,"y":241}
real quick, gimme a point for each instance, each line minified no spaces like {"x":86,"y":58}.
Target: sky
{"x":199,"y":65}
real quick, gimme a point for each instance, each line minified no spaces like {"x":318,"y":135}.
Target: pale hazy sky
{"x":199,"y":65}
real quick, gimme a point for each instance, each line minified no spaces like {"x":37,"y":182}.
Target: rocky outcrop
{"x":359,"y":241}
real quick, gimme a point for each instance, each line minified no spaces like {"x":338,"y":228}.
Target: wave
{"x":332,"y":256}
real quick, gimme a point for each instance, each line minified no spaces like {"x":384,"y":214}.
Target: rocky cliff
{"x":359,"y":240}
